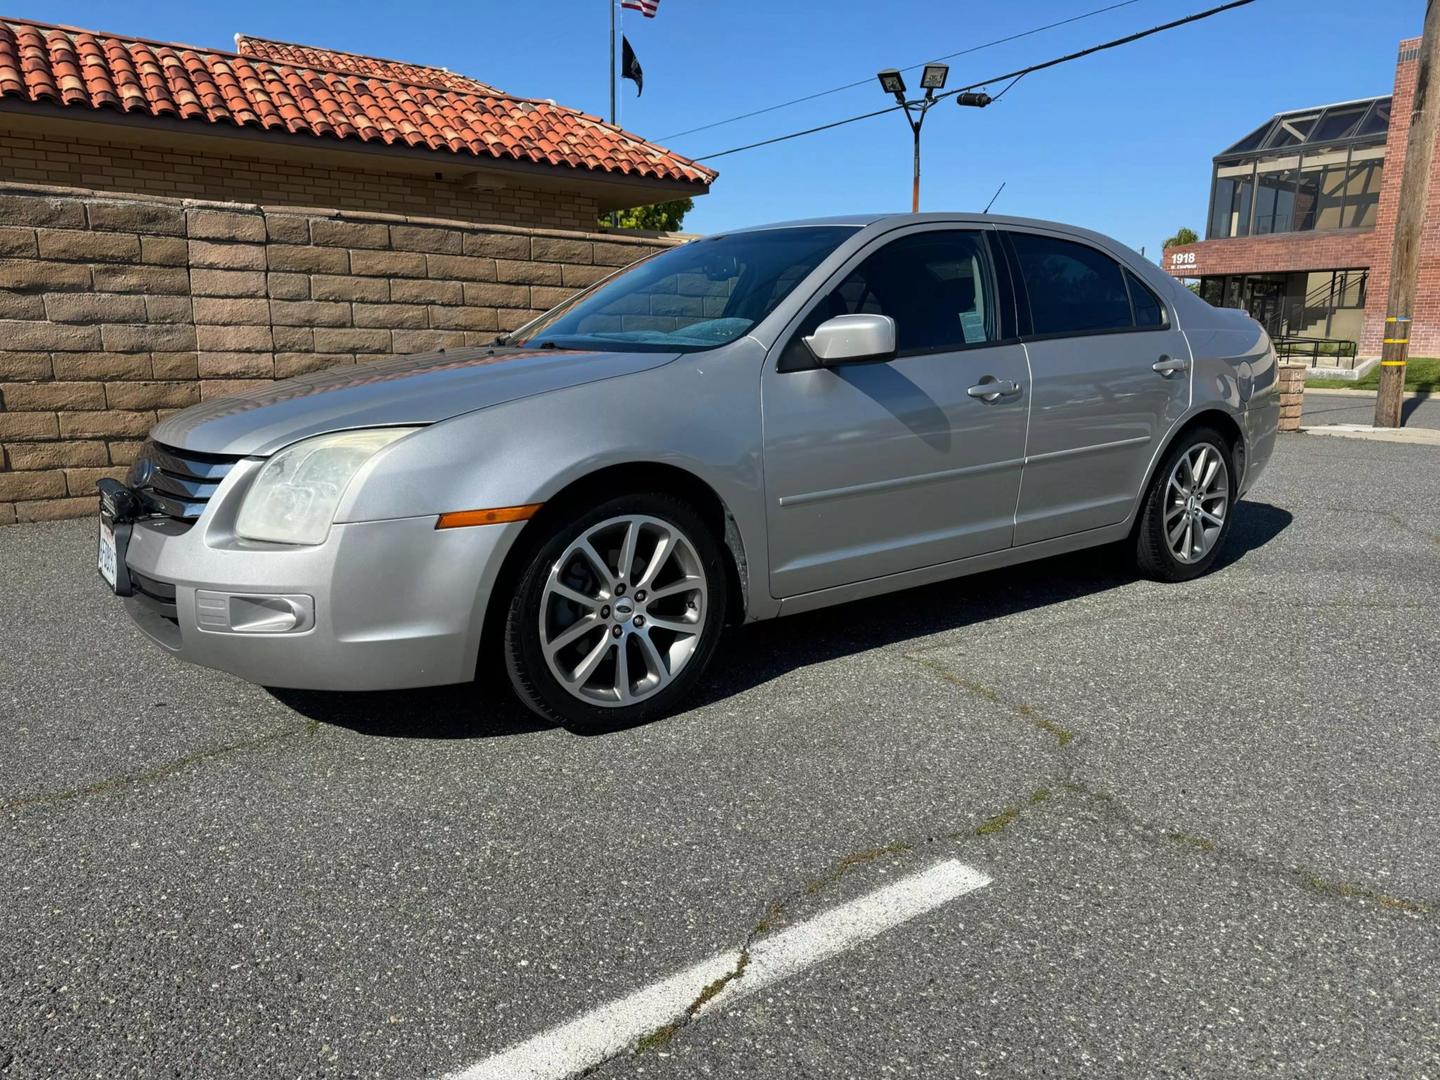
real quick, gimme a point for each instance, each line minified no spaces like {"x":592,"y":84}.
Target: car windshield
{"x":696,"y":296}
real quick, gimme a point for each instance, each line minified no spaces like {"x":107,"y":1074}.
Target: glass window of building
{"x":1231,"y":296}
{"x":1378,"y":121}
{"x":1308,"y":169}
{"x":1338,"y":123}
{"x":1230,"y":212}
{"x":1320,"y":197}
{"x":1275,"y":181}
{"x":1290,"y":130}
{"x":1352,"y":288}
{"x":1362,"y":187}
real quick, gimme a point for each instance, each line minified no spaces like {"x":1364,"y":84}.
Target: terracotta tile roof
{"x":395,"y":70}
{"x":301,"y":91}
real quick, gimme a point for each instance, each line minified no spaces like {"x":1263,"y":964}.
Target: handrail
{"x":1292,"y":347}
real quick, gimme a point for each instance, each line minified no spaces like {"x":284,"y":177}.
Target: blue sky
{"x":1119,"y":142}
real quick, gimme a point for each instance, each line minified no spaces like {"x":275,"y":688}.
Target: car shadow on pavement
{"x":752,"y":655}
{"x":463,"y":711}
{"x":756,"y":654}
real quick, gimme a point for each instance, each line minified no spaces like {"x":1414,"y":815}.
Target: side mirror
{"x":849,"y":339}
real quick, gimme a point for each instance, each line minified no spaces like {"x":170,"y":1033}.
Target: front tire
{"x":1188,"y":508}
{"x":616,"y":616}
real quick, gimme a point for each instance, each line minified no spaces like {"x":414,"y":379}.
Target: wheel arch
{"x":1217,"y":418}
{"x":607,"y":481}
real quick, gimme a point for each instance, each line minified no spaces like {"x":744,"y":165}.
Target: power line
{"x":1012,"y":75}
{"x":912,"y":67}
{"x":1007,"y":87}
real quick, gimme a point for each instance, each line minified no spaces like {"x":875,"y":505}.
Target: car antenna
{"x":994,"y":197}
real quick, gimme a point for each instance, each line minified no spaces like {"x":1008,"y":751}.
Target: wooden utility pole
{"x":1409,"y":225}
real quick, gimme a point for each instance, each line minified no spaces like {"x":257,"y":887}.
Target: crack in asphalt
{"x":777,"y":910}
{"x":1105,"y":808}
{"x":1389,"y":515}
{"x":1112,"y":807}
{"x":1062,"y":735}
{"x":1299,"y":875}
{"x":159,"y":772}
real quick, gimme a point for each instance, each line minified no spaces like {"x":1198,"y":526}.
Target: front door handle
{"x":1167,"y":366}
{"x":990,"y":389}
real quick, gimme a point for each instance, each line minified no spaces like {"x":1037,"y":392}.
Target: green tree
{"x":1182,"y":235}
{"x":658,"y":217}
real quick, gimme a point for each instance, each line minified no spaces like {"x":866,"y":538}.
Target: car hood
{"x":419,"y":389}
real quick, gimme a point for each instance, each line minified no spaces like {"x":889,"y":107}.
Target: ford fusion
{"x":746,"y":426}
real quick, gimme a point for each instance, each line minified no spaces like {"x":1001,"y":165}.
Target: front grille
{"x":177,"y":483}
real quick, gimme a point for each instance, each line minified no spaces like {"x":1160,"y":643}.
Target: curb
{"x":1417,"y":394}
{"x":1420,"y":436}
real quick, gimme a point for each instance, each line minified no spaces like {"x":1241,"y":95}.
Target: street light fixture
{"x":892,"y":82}
{"x":931,"y":79}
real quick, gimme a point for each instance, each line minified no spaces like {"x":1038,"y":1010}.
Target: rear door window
{"x":1072,"y":287}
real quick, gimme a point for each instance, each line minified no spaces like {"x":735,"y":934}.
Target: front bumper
{"x":396,"y":603}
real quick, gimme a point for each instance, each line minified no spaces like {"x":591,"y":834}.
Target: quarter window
{"x":1073,"y":288}
{"x":1149,"y":314}
{"x":937,"y":286}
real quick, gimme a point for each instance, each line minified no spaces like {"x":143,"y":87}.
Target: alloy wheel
{"x":1197,"y":498}
{"x":622,"y":610}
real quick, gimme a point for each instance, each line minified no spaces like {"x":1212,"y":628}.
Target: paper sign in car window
{"x":972,"y":325}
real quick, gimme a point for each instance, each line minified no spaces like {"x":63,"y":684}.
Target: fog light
{"x":253,"y":613}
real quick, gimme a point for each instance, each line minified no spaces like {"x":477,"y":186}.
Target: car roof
{"x":860,"y":221}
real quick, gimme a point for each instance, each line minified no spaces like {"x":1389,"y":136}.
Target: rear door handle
{"x":1167,"y":366}
{"x":990,"y":390}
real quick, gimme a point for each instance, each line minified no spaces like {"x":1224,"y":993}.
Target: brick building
{"x":178,"y":222}
{"x":1302,"y":221}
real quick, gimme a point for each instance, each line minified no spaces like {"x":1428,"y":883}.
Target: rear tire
{"x":617,"y":614}
{"x":1188,"y":508}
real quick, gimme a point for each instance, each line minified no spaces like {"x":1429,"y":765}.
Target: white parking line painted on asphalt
{"x":590,"y":1039}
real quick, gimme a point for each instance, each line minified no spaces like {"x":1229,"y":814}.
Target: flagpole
{"x":614,"y":214}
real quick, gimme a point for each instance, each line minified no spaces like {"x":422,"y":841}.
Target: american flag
{"x":645,"y":7}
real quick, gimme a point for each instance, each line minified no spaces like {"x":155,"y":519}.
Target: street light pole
{"x":933,"y":78}
{"x":915,"y":188}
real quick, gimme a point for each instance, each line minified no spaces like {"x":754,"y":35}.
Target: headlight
{"x":294,"y":499}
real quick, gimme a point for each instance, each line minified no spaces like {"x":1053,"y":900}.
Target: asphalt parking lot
{"x":1206,"y":813}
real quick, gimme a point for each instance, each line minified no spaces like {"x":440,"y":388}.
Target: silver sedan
{"x":757,"y":423}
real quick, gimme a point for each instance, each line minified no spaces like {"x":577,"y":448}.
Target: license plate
{"x":106,"y":560}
